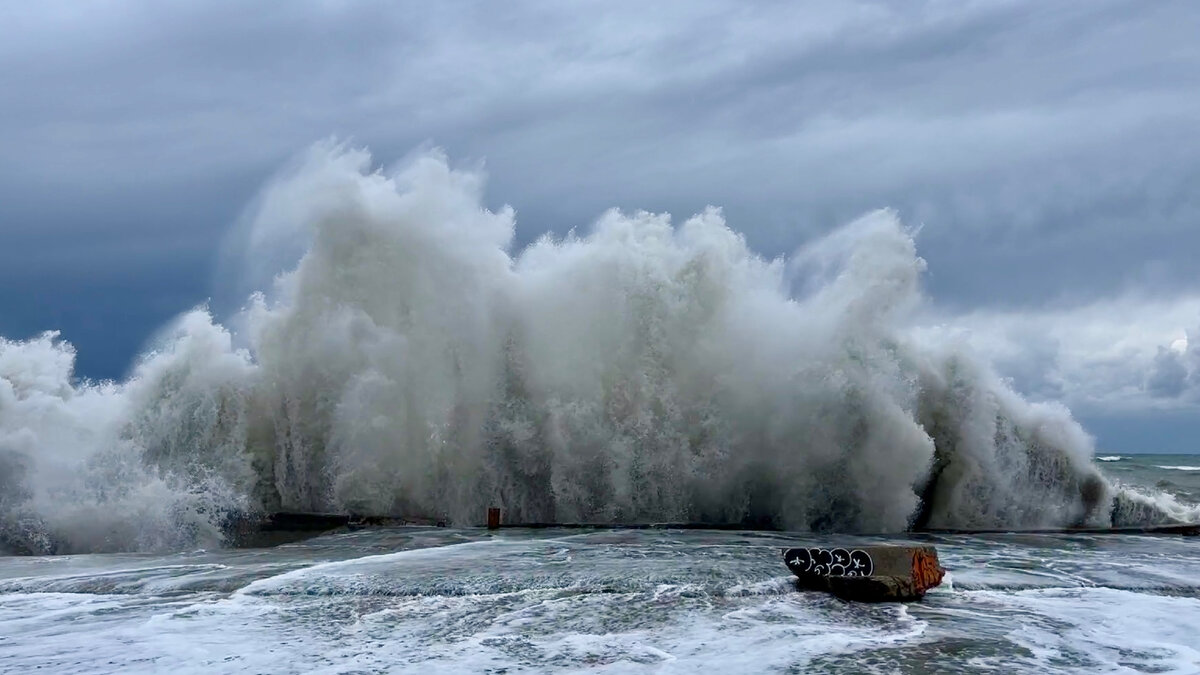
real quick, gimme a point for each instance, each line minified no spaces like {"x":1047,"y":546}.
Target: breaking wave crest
{"x":405,"y":361}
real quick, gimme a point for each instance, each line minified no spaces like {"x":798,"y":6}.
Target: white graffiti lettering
{"x":830,"y":562}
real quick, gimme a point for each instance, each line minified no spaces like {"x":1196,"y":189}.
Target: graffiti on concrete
{"x":831,"y":562}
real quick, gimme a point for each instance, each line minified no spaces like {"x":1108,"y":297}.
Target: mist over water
{"x":397,"y":356}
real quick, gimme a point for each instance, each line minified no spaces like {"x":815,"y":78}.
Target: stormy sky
{"x":1049,"y":151}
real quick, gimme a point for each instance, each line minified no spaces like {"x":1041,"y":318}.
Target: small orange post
{"x":493,"y":518}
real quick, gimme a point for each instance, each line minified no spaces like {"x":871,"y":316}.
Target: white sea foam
{"x":1105,"y":629}
{"x":1180,"y":468}
{"x":645,"y":601}
{"x":1109,"y":458}
{"x":406,"y":360}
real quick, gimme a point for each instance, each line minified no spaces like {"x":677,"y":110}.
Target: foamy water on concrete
{"x":408,"y":600}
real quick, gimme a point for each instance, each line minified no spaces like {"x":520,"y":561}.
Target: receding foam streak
{"x":409,"y":363}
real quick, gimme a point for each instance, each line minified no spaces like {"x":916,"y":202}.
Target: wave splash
{"x":405,"y":361}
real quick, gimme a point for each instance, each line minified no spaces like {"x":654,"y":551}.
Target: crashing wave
{"x":408,"y":363}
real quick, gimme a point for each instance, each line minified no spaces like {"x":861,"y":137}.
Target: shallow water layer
{"x":416,"y":599}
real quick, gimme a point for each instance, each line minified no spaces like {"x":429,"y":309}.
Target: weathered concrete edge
{"x":875,"y":573}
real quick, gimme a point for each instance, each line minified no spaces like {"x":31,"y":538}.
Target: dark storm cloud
{"x":822,"y":107}
{"x":1168,"y":378}
{"x":1049,"y":149}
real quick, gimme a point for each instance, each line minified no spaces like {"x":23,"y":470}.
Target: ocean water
{"x":1178,"y":475}
{"x":414,"y":599}
{"x":396,"y":354}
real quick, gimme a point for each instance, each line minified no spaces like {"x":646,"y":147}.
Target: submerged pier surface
{"x":283,"y":527}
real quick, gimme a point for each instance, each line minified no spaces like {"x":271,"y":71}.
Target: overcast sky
{"x":1050,"y":150}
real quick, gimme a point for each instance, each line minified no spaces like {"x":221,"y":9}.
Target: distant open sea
{"x":1178,"y":475}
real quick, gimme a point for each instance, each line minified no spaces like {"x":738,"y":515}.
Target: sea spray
{"x":89,"y":467}
{"x":403,"y":360}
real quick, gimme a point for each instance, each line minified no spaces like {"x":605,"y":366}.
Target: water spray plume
{"x":402,"y":359}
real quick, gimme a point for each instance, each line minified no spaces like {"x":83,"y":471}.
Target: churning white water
{"x":401,"y":358}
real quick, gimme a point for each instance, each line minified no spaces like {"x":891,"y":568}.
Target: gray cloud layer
{"x":1050,"y":150}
